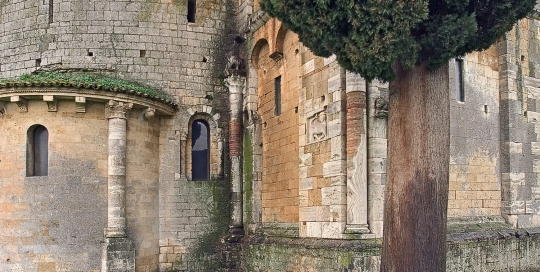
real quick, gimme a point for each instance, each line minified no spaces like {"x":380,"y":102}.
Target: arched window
{"x":191,"y":7}
{"x":200,"y":150}
{"x":51,"y":11}
{"x":37,"y":152}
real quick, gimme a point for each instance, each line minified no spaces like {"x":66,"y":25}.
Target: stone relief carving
{"x":381,"y":108}
{"x":51,"y":106}
{"x":317,"y":127}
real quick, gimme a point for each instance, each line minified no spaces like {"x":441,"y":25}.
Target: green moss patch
{"x":82,"y":80}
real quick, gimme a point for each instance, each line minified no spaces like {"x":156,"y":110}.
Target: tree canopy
{"x":369,"y":36}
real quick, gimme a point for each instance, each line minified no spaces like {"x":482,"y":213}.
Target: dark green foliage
{"x":369,"y":36}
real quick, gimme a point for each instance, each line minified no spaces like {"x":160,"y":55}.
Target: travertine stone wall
{"x":280,"y":135}
{"x":475,"y":183}
{"x":56,"y":222}
{"x":322,"y":154}
{"x":142,"y":187}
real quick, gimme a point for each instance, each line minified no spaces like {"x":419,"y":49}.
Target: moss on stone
{"x":82,"y":80}
{"x":216,"y":194}
{"x":248,"y":175}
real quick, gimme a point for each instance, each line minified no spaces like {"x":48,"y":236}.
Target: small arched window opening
{"x":192,"y":7}
{"x":200,"y":150}
{"x":51,"y":11}
{"x":37,"y":151}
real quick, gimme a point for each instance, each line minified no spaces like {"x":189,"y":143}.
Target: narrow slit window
{"x":192,"y":8}
{"x":277,"y":88}
{"x":51,"y":11}
{"x":460,"y":86}
{"x":37,"y":160}
{"x":200,"y":151}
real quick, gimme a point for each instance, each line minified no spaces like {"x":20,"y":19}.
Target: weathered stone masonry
{"x":296,"y":145}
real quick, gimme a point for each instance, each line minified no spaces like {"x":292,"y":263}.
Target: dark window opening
{"x":142,"y":53}
{"x":200,"y":151}
{"x":37,"y":160}
{"x":277,"y":88}
{"x":38,"y":62}
{"x":460,"y":88}
{"x":192,"y":7}
{"x":51,"y":11}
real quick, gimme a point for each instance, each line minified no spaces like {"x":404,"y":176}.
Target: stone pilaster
{"x":357,"y":189}
{"x":118,"y":249}
{"x":236,"y":86}
{"x":116,"y":211}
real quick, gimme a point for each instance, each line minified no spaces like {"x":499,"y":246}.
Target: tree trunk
{"x":418,"y":156}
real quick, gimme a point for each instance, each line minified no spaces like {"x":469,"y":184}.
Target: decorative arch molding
{"x":277,"y":55}
{"x":256,"y":50}
{"x":280,"y":38}
{"x":216,"y":161}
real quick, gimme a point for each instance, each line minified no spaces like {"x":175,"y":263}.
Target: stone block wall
{"x":149,"y":42}
{"x":482,"y":251}
{"x":322,"y":147}
{"x":193,"y":215}
{"x":154,"y":44}
{"x":279,"y":129}
{"x":54,"y":222}
{"x":519,"y":126}
{"x":142,"y":188}
{"x":475,"y":184}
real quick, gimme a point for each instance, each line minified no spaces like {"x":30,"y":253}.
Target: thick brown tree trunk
{"x":418,"y":156}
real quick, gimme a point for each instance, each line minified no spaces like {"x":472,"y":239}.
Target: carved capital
{"x":118,"y":109}
{"x":235,"y":84}
{"x":183,"y":135}
{"x":22,"y":103}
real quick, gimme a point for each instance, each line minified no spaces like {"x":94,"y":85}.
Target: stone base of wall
{"x":229,"y":250}
{"x":119,"y":255}
{"x":499,"y":250}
